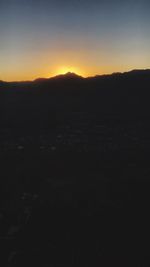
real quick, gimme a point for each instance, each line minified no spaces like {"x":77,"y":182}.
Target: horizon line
{"x":78,"y":75}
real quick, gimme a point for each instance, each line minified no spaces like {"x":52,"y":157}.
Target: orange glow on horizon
{"x":46,"y":72}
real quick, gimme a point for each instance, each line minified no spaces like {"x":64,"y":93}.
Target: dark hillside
{"x":75,"y":171}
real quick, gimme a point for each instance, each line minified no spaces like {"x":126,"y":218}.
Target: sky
{"x":43,"y":38}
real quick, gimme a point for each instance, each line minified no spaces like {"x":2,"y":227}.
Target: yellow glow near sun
{"x":65,"y":69}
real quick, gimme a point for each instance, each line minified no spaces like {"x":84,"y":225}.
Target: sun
{"x":65,"y":69}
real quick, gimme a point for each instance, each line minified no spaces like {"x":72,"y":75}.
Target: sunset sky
{"x":43,"y":38}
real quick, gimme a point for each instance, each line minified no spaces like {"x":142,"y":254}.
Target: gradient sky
{"x":42,"y":38}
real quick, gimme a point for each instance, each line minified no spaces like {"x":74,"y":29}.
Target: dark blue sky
{"x":43,"y":38}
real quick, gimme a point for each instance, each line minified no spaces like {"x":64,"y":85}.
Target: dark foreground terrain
{"x":75,"y":171}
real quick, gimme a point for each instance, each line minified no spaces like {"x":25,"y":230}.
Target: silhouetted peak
{"x":68,"y":76}
{"x":65,"y":77}
{"x":71,"y":75}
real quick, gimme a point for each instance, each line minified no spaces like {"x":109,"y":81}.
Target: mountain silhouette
{"x":67,"y":76}
{"x":119,"y":94}
{"x":71,"y":75}
{"x":74,"y":76}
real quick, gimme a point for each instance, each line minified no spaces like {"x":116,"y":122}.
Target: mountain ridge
{"x":74,"y":76}
{"x":122,"y":95}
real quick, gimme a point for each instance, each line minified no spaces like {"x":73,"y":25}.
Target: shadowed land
{"x":74,"y":156}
